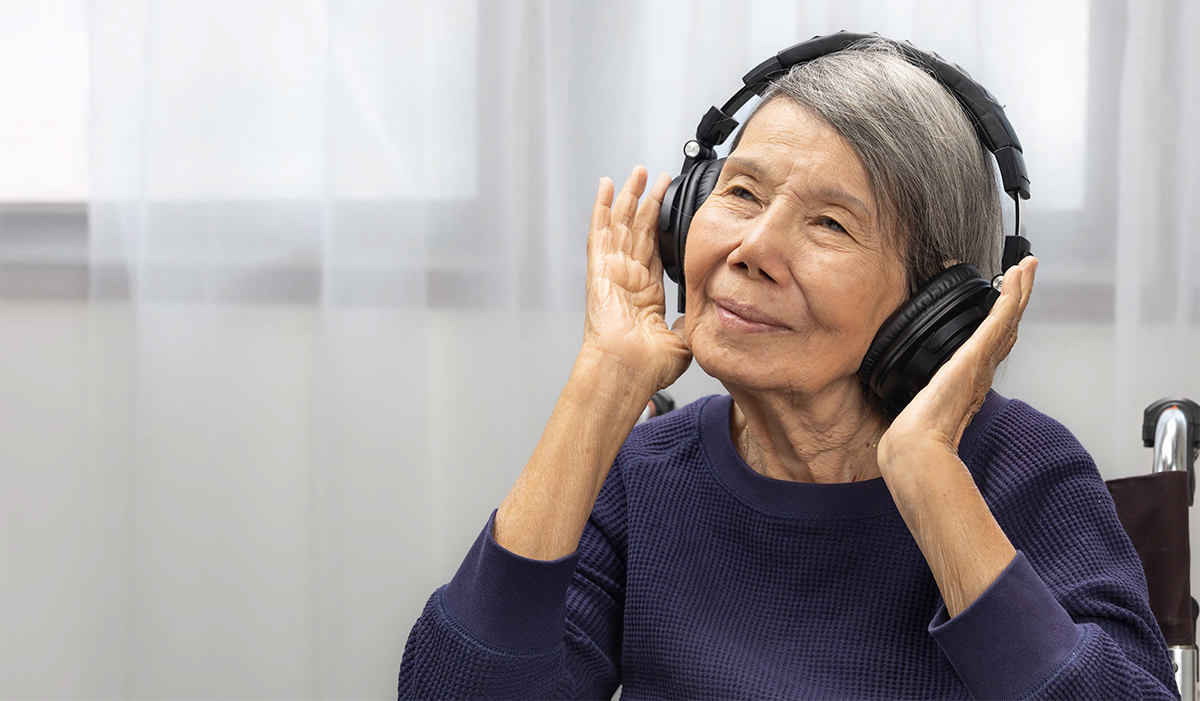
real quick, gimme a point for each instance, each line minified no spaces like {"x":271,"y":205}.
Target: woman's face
{"x":789,"y":271}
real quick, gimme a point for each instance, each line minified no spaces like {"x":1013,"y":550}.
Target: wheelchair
{"x":1153,"y":509}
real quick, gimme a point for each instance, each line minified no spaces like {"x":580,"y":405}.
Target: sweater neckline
{"x":787,"y":498}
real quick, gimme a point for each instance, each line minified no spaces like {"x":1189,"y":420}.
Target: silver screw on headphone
{"x":691,"y":149}
{"x":997,"y":282}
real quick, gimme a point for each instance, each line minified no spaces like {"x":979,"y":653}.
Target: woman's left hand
{"x":941,"y":411}
{"x":934,"y":491}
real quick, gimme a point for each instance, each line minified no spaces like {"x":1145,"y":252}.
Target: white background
{"x":328,"y":285}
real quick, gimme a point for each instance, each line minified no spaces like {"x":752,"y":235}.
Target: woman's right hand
{"x":628,"y":353}
{"x":626,"y":302}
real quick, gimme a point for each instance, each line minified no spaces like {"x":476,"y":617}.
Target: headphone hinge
{"x":715,"y":128}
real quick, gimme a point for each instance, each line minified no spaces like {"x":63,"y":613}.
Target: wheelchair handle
{"x":1172,"y":426}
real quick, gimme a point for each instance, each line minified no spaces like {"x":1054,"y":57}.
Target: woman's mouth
{"x":734,"y":321}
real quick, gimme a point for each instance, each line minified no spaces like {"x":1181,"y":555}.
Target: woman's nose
{"x":758,"y":252}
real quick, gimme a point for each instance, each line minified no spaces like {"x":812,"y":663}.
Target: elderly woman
{"x":788,"y":540}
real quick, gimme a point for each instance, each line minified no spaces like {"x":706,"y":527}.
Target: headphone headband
{"x":987,"y":115}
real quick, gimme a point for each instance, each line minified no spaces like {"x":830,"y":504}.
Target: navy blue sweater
{"x":698,"y":578}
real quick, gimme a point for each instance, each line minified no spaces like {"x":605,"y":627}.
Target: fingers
{"x":1002,"y":322}
{"x":1029,"y":266}
{"x":1016,"y":292}
{"x":600,"y":213}
{"x":1008,"y":310}
{"x":645,"y":225}
{"x":623,"y":211}
{"x":647,"y":216}
{"x":1022,"y":280}
{"x":991,"y":342}
{"x":604,"y":195}
{"x":626,"y":203}
{"x":631,"y":228}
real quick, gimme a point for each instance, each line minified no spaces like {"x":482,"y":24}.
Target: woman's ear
{"x":950,"y":263}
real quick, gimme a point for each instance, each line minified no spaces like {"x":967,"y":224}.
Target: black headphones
{"x":926,"y":330}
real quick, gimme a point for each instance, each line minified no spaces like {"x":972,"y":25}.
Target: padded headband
{"x":986,"y":113}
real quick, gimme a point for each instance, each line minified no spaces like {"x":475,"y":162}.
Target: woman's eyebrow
{"x":747,"y":165}
{"x":836,"y":195}
{"x":829,"y":193}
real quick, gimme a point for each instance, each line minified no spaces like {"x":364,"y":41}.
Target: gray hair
{"x":929,"y":173}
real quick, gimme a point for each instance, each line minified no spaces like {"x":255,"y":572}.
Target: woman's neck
{"x":825,"y":439}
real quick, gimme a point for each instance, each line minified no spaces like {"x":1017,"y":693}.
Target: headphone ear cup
{"x":668,"y":225}
{"x":707,"y":175}
{"x":693,"y":192}
{"x":684,"y":196}
{"x":924,"y":332}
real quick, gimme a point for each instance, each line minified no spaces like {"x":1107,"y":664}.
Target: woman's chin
{"x":749,"y":366}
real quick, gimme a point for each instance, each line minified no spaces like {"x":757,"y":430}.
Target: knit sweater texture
{"x":698,"y":578}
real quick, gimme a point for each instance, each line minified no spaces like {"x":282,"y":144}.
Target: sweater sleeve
{"x":506,"y":626}
{"x":1070,"y":615}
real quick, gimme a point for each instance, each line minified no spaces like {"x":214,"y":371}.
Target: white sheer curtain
{"x":336,"y":257}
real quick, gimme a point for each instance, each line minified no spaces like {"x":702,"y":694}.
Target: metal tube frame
{"x":1171,"y":454}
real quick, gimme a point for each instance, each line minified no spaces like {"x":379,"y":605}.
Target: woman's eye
{"x":741,"y":193}
{"x":832,"y":224}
